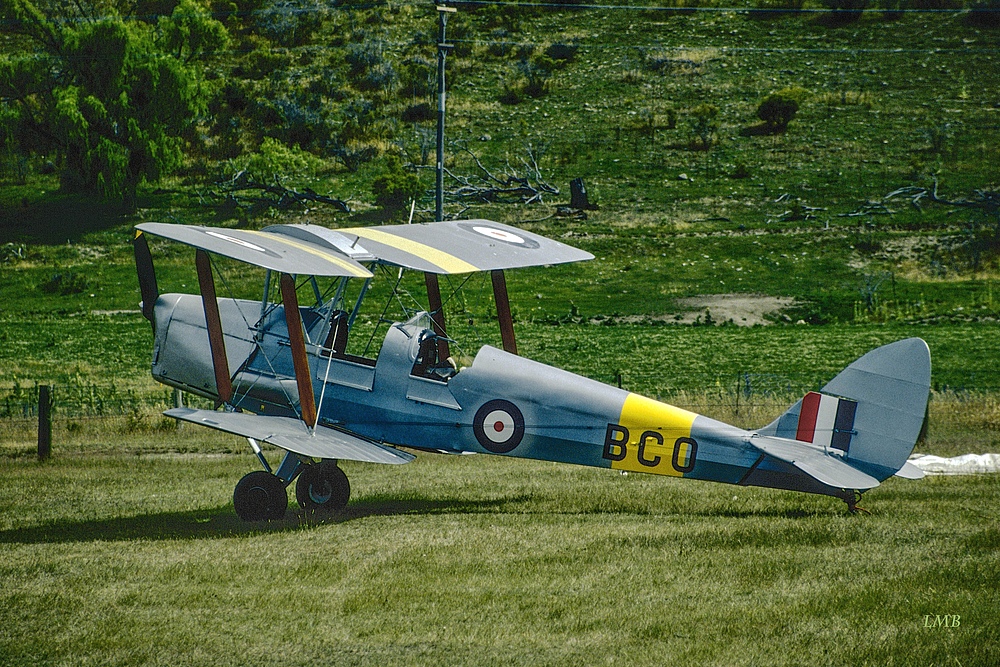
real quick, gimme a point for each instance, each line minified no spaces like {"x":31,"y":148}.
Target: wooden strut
{"x":216,"y":341}
{"x":307,"y":401}
{"x":437,"y":314}
{"x":503,"y":311}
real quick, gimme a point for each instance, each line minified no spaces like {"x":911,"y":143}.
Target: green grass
{"x":125,"y":559}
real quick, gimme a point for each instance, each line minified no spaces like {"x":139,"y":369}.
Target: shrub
{"x":417,"y":78}
{"x":536,"y":73}
{"x":845,"y":11}
{"x":362,"y":57}
{"x":777,"y":112}
{"x":779,"y":108}
{"x":395,"y":188}
{"x":500,"y":45}
{"x":290,"y":22}
{"x":66,"y":284}
{"x":529,"y":78}
{"x":418,"y":113}
{"x":352,"y":154}
{"x":261,"y":63}
{"x":275,"y":158}
{"x":703,"y":123}
{"x":562,"y":53}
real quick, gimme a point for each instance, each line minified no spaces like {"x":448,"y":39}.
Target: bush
{"x":396,"y":187}
{"x":704,"y":125}
{"x":561,"y":53}
{"x":529,"y":78}
{"x":353,"y":154}
{"x":418,"y":78}
{"x":275,"y":158}
{"x":261,"y":63}
{"x":290,"y":22}
{"x":777,"y":112}
{"x":65,"y":284}
{"x":845,"y":11}
{"x":779,"y":108}
{"x":418,"y":113}
{"x":500,"y":44}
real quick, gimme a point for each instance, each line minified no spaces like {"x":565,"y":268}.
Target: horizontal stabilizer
{"x":910,"y":471}
{"x":292,"y":435}
{"x":829,"y":469}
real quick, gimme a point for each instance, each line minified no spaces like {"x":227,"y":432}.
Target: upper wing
{"x":268,"y":249}
{"x":826,"y":468}
{"x":292,"y":435}
{"x":460,"y":246}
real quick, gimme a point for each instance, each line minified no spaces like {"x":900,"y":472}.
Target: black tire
{"x":260,"y":496}
{"x":323,"y":487}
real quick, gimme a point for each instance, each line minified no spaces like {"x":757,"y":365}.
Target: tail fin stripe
{"x":825,"y":420}
{"x":843,"y":426}
{"x":807,"y":417}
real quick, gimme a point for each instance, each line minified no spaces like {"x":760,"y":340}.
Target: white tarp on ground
{"x":968,"y":464}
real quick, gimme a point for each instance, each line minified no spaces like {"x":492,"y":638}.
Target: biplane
{"x":278,"y":371}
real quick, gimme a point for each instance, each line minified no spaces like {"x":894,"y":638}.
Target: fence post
{"x":179,"y":403}
{"x":737,"y":394}
{"x":44,"y":422}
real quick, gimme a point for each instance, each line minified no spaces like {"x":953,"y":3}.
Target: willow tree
{"x":111,"y":99}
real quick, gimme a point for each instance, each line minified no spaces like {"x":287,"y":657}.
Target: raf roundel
{"x":499,"y":426}
{"x":499,"y":235}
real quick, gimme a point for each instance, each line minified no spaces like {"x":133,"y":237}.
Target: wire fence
{"x":85,"y":401}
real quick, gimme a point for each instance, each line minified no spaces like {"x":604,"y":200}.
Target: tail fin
{"x":872,"y":412}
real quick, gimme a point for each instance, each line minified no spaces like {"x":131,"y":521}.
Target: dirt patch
{"x":743,"y":309}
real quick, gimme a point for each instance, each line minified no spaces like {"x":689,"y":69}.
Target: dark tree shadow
{"x":762,"y":130}
{"x":53,"y":219}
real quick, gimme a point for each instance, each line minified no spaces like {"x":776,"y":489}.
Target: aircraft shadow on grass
{"x":221,"y":522}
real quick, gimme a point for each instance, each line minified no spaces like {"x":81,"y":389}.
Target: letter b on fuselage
{"x":649,"y":452}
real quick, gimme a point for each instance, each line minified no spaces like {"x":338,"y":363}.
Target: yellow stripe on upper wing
{"x":348,"y":265}
{"x":444,"y":261}
{"x":657,"y":426}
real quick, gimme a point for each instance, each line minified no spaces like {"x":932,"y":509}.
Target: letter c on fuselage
{"x":646,"y":435}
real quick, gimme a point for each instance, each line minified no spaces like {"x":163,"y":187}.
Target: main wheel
{"x":323,"y":487}
{"x":260,"y":496}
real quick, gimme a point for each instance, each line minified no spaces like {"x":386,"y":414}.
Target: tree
{"x":108,"y":98}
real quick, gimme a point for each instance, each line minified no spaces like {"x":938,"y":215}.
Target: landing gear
{"x":322,"y":488}
{"x":260,"y":496}
{"x":852,"y":503}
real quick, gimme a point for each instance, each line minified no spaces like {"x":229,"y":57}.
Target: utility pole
{"x":443,"y":49}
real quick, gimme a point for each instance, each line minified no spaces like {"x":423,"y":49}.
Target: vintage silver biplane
{"x":281,"y":374}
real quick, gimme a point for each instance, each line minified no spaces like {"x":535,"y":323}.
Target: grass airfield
{"x":125,"y":555}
